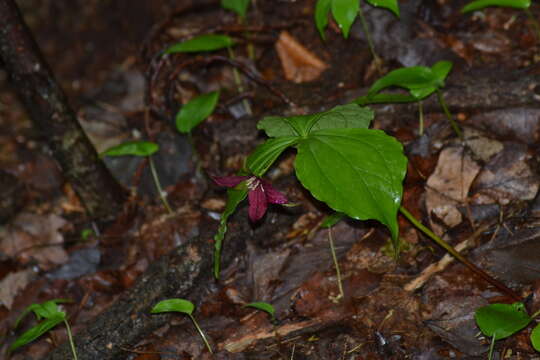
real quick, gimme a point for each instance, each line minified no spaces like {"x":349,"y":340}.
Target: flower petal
{"x":272,"y":195}
{"x":228,"y":181}
{"x":257,"y":203}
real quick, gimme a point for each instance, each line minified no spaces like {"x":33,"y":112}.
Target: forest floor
{"x":481,"y":193}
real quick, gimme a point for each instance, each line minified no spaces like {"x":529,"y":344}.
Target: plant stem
{"x":201,"y":333}
{"x":70,"y":339}
{"x":336,"y":265}
{"x":501,"y":287}
{"x":535,"y":314}
{"x":491,"y":347}
{"x":238,"y":82}
{"x":535,"y":23}
{"x":421,"y":118}
{"x":363,"y":21}
{"x":455,"y":126}
{"x":158,"y":185}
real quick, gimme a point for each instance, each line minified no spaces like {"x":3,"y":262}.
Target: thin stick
{"x":453,"y":123}
{"x":336,"y":265}
{"x":158,"y":185}
{"x":501,"y":287}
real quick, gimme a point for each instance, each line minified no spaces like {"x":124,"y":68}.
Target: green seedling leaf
{"x":391,"y":5}
{"x":238,"y":6}
{"x":38,"y":330}
{"x":200,"y":43}
{"x":345,"y":12}
{"x":265,"y":154}
{"x":441,"y":69}
{"x":322,"y":8}
{"x":502,"y":320}
{"x":383,"y":98}
{"x":263,"y":306}
{"x":535,"y":338}
{"x":481,"y":4}
{"x":195,"y":111}
{"x":46,"y":310}
{"x":341,"y":116}
{"x":355,"y":171}
{"x":332,"y":220}
{"x":86,"y":233}
{"x":234,"y":197}
{"x":174,"y":305}
{"x":135,"y":148}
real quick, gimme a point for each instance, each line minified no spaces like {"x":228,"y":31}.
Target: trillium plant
{"x":353,"y":169}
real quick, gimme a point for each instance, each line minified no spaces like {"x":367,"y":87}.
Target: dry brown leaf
{"x":12,"y":284}
{"x":299,"y":64}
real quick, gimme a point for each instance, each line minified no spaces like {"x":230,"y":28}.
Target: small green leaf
{"x":200,"y":43}
{"x":36,"y":331}
{"x":45,"y":310}
{"x":481,"y":4}
{"x":535,"y":338}
{"x":502,"y":320}
{"x":341,"y":116}
{"x":441,"y":69}
{"x":234,"y":197}
{"x":322,"y":8}
{"x":391,"y":5}
{"x":238,"y":6}
{"x":195,"y":111}
{"x":332,"y":220}
{"x":86,"y":233}
{"x":135,"y":148}
{"x":263,"y":306}
{"x":345,"y":12}
{"x":174,"y":305}
{"x":414,"y":77}
{"x":355,"y":171}
{"x":265,"y":154}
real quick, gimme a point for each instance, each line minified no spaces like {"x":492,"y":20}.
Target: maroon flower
{"x":260,"y":194}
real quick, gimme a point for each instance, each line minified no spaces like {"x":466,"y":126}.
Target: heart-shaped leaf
{"x":174,"y":305}
{"x":195,"y":111}
{"x":238,"y":6}
{"x":345,"y":12}
{"x":341,"y":116}
{"x":501,"y":320}
{"x":265,"y":154}
{"x":355,"y":171}
{"x":209,"y":42}
{"x":481,"y":4}
{"x":391,"y":5}
{"x":135,"y":148}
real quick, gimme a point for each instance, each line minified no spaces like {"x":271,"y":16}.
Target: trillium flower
{"x":260,"y":193}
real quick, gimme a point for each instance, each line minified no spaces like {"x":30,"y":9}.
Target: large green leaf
{"x":200,"y":43}
{"x":535,"y":338}
{"x":391,"y":5}
{"x":234,"y":197}
{"x":265,"y":154}
{"x":36,"y":331}
{"x":345,"y":12}
{"x":135,"y":148}
{"x":238,"y":6}
{"x":502,"y":320}
{"x":176,"y":305}
{"x":341,"y":116}
{"x":481,"y":4}
{"x":195,"y":111}
{"x":355,"y":171}
{"x":321,"y":15}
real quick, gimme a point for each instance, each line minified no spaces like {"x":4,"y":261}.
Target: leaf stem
{"x":201,"y":333}
{"x":453,"y":123}
{"x":158,"y":185}
{"x":500,"y":286}
{"x":491,"y":347}
{"x":70,"y":339}
{"x":421,"y":118}
{"x":238,"y":82}
{"x":365,"y":28}
{"x":336,"y":265}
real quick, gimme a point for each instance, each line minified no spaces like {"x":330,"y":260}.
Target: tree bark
{"x":50,"y":112}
